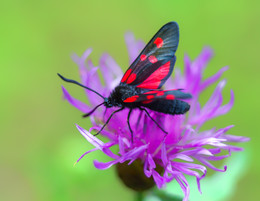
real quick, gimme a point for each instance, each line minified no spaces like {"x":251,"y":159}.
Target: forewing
{"x":155,"y":63}
{"x":151,"y":96}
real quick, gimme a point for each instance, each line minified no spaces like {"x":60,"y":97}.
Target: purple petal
{"x":91,"y":138}
{"x":105,"y":133}
{"x":113,"y":66}
{"x":184,"y":186}
{"x":202,"y":60}
{"x":92,"y":81}
{"x":131,"y":155}
{"x":151,"y":162}
{"x":192,"y":173}
{"x":213,"y":78}
{"x":170,"y":170}
{"x":216,"y":96}
{"x":81,"y":60}
{"x":221,"y":131}
{"x":216,"y":158}
{"x":121,"y":145}
{"x":224,"y":109}
{"x":103,"y":166}
{"x":208,"y":164}
{"x":232,"y":138}
{"x":98,"y":143}
{"x":134,"y":153}
{"x":190,"y":166}
{"x":76,"y":103}
{"x":110,"y":70}
{"x":197,"y":151}
{"x":86,"y":154}
{"x":233,"y":148}
{"x":158,"y":179}
{"x":133,"y":47}
{"x":147,"y":171}
{"x":178,"y":81}
{"x":207,"y":141}
{"x":187,"y":171}
{"x":211,"y":107}
{"x":140,"y":45}
{"x":149,"y":165}
{"x":164,"y":154}
{"x":182,"y":157}
{"x":187,"y":67}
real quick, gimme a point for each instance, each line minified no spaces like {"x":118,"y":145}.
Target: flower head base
{"x":162,"y":157}
{"x":133,"y":175}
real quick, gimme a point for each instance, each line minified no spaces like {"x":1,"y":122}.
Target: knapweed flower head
{"x":185,"y":150}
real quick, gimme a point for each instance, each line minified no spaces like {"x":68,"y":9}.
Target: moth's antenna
{"x":77,"y":83}
{"x":89,"y":113}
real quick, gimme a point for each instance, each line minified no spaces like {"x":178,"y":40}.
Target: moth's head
{"x":108,"y":103}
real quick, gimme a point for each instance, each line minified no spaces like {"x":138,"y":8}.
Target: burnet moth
{"x":140,"y":87}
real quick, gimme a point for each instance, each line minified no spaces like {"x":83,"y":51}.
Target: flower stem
{"x":139,"y":196}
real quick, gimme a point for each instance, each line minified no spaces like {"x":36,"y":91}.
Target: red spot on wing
{"x":160,"y":93}
{"x":143,"y":57}
{"x":147,"y":101}
{"x":170,"y":97}
{"x":152,"y":59}
{"x":126,"y":75}
{"x":131,"y":99}
{"x":131,"y":78}
{"x":159,"y":42}
{"x":150,"y":92}
{"x":150,"y":96}
{"x":154,"y":80}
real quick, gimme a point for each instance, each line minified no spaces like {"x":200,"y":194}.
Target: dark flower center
{"x":133,"y":175}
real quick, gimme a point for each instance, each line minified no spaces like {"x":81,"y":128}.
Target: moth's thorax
{"x":121,"y":92}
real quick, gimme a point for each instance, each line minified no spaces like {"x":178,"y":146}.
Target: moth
{"x":140,"y":86}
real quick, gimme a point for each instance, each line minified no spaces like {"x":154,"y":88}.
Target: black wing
{"x":152,"y":96}
{"x":155,"y":63}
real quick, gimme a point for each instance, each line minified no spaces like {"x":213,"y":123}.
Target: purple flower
{"x":186,"y":150}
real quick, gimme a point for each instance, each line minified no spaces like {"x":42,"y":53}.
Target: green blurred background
{"x":39,"y":141}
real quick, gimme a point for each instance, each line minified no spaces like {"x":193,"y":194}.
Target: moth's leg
{"x":139,"y":119}
{"x":93,"y":110}
{"x":128,"y":118}
{"x":153,"y":119}
{"x":109,"y":120}
{"x":104,"y":114}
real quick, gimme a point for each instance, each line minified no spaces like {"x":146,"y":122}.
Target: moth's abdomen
{"x":169,"y":106}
